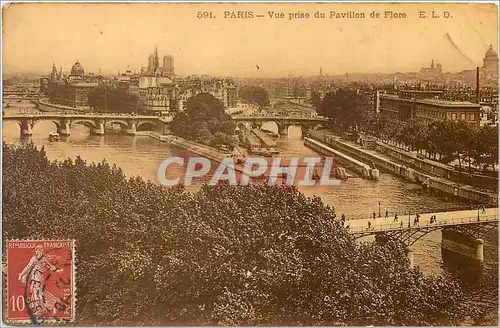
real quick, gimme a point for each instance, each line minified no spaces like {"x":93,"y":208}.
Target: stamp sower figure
{"x":33,"y":275}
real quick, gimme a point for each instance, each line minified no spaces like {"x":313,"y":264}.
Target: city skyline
{"x":116,"y":37}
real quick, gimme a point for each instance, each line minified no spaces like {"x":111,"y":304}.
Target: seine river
{"x":141,"y":155}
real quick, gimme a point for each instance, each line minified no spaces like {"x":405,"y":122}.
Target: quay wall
{"x":359,"y":167}
{"x":46,"y":106}
{"x":411,"y":174}
{"x":192,"y":147}
{"x":437,"y":169}
{"x":264,"y":138}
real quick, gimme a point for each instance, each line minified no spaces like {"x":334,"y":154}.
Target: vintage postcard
{"x":250,"y":164}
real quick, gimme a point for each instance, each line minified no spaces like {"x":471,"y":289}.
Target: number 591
{"x":205,"y":14}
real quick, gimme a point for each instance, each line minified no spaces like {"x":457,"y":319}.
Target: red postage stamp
{"x":40,"y":281}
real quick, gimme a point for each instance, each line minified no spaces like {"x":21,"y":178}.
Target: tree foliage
{"x":348,"y":108}
{"x":254,"y":95}
{"x":316,"y":100}
{"x":205,"y":121}
{"x":452,"y":140}
{"x":112,"y":100}
{"x":224,"y":255}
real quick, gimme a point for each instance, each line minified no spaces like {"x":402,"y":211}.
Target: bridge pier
{"x":374,"y":174}
{"x":409,"y":255}
{"x":26,"y":128}
{"x":99,"y":130}
{"x":305,"y":131}
{"x":463,"y":254}
{"x":64,"y":129}
{"x":282,"y":129}
{"x":132,"y":129}
{"x":457,"y":244}
{"x":164,"y":128}
{"x":479,"y":250}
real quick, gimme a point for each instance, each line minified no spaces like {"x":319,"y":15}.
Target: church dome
{"x":77,"y":69}
{"x":491,"y":53}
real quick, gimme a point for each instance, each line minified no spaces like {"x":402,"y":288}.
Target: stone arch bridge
{"x":283,"y":122}
{"x":95,"y":122}
{"x":133,"y":123}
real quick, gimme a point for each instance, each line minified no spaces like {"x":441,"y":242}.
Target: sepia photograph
{"x":250,"y":164}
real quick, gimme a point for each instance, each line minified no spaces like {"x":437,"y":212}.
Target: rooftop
{"x":447,"y":103}
{"x":85,"y":84}
{"x":435,"y":102}
{"x":421,"y":91}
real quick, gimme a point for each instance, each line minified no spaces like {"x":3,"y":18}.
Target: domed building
{"x":77,"y":69}
{"x":71,"y":91}
{"x":490,"y":60}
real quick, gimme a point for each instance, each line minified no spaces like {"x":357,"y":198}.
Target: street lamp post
{"x":379,"y":215}
{"x":409,"y":214}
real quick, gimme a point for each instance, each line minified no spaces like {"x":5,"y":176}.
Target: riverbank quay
{"x":386,"y":163}
{"x":357,"y":166}
{"x":193,"y":147}
{"x":438,"y":169}
{"x":239,"y":160}
{"x":45,"y":105}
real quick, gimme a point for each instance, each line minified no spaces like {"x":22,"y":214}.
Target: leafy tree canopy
{"x":112,"y":100}
{"x":203,"y":119}
{"x":225,"y":255}
{"x":349,"y":108}
{"x":255,"y":95}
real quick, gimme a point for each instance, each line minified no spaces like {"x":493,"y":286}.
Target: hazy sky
{"x":116,"y":37}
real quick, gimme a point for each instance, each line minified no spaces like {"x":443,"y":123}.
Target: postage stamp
{"x":40,"y":282}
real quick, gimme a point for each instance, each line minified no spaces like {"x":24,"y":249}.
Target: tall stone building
{"x":157,"y":91}
{"x":168,"y":65}
{"x":434,"y":70}
{"x":71,"y":90}
{"x":490,"y":61}
{"x":221,"y":88}
{"x":154,"y":67}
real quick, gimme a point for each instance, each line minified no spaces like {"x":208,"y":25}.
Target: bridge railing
{"x":441,"y":223}
{"x":85,"y":115}
{"x":291,"y":117}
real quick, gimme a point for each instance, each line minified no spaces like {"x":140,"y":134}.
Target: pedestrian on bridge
{"x":343,"y":217}
{"x":374,"y":215}
{"x":386,"y":213}
{"x":396,"y":218}
{"x":401,"y":223}
{"x":369,"y":225}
